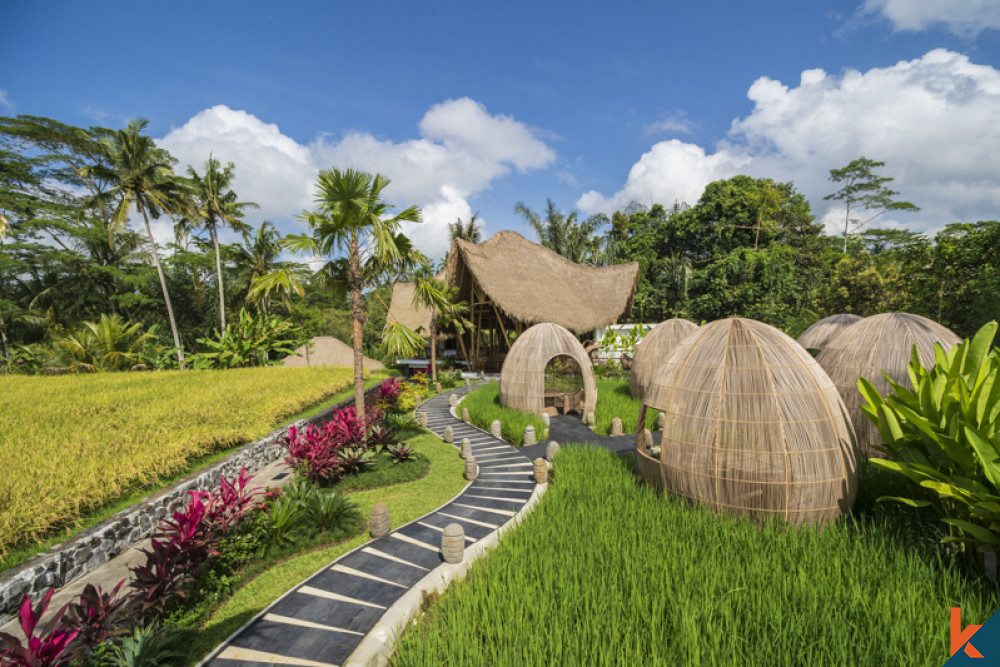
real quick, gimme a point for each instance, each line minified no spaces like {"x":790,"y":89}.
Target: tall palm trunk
{"x":358,"y":319}
{"x":434,"y":366}
{"x":163,"y":286}
{"x":218,"y":278}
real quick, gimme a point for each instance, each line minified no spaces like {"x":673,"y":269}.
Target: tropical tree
{"x":141,"y":176}
{"x":267,"y":273}
{"x":214,"y":205}
{"x":564,"y":234}
{"x":470,"y":231}
{"x":351,"y":218}
{"x":445,"y":312}
{"x":862,"y":190}
{"x":110,"y":344}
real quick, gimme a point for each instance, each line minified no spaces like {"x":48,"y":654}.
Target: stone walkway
{"x":322,"y":620}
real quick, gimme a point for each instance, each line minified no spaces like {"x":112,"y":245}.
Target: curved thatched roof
{"x":530,"y":283}
{"x":654,"y":349}
{"x":753,"y":425}
{"x":403,"y":310}
{"x":522,"y":378}
{"x":328,"y":351}
{"x":875,"y":345}
{"x":816,"y":336}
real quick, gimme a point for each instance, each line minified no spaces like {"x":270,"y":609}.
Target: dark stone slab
{"x":411,"y":553}
{"x":421,"y":533}
{"x":480,"y":484}
{"x":526,"y":476}
{"x":346,"y":615}
{"x":472,"y":530}
{"x":476,"y":515}
{"x":507,"y":505}
{"x":359,"y":588}
{"x":406,"y":575}
{"x":298,"y":642}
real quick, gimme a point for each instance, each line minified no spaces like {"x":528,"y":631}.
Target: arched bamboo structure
{"x":875,"y":345}
{"x":820,"y":333}
{"x":753,"y":425}
{"x":522,"y":378}
{"x":654,"y":349}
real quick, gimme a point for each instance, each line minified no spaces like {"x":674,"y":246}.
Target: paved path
{"x":322,"y":620}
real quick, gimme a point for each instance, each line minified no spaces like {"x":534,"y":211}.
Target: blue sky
{"x":474,"y":107}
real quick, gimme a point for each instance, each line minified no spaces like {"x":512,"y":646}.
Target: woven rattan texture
{"x":654,"y":349}
{"x":522,"y":378}
{"x":753,"y":425}
{"x":819,"y":334}
{"x":877,"y":344}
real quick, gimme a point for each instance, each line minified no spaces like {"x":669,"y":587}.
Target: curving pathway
{"x":321,"y":621}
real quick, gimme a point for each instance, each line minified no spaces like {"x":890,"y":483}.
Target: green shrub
{"x":945,"y":436}
{"x":484,"y":406}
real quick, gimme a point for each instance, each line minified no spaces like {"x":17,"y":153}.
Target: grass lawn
{"x":406,"y":502}
{"x":484,"y":406}
{"x":106,"y":422}
{"x":604,"y":571}
{"x":615,"y":400}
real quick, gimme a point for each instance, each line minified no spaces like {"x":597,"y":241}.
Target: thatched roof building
{"x":522,"y":379}
{"x":820,"y":333}
{"x":328,"y":351}
{"x":875,"y":345}
{"x":403,"y":310}
{"x":654,"y":349}
{"x":511,"y":284}
{"x":753,"y":425}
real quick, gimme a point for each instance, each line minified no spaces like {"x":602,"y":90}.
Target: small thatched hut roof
{"x":328,"y":351}
{"x":654,"y":349}
{"x":522,"y":379}
{"x":403,"y":310}
{"x":875,"y":345}
{"x":820,"y":333}
{"x":753,"y":425}
{"x":530,"y":284}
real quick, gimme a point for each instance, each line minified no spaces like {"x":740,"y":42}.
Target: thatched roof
{"x":329,"y":351}
{"x":753,"y":425}
{"x":529,"y":283}
{"x":522,"y":379}
{"x":875,"y":345}
{"x":403,"y":310}
{"x":654,"y":349}
{"x":816,"y":336}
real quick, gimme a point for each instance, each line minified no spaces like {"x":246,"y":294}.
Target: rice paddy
{"x":604,"y":571}
{"x":484,"y":406}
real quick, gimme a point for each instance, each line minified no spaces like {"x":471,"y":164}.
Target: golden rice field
{"x":73,"y":442}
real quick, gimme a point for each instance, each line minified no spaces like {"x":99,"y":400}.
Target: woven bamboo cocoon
{"x":819,"y":334}
{"x":654,"y":349}
{"x":522,"y":378}
{"x":753,"y":425}
{"x":875,"y":345}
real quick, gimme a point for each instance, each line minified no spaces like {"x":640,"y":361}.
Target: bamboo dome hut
{"x":654,"y":349}
{"x":875,"y":345}
{"x":522,"y":378}
{"x":820,"y":333}
{"x":753,"y":426}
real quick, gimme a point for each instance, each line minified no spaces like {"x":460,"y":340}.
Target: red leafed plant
{"x":226,"y":506}
{"x":96,"y":614}
{"x":313,"y":454}
{"x":388,"y":391}
{"x":50,"y":648}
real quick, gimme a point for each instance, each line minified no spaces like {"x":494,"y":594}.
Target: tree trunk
{"x":163,"y":286}
{"x":218,"y":278}
{"x":434,"y":366}
{"x":847,"y":222}
{"x":358,"y":319}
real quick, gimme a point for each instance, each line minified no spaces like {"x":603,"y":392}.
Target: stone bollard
{"x":616,"y":426}
{"x":465,"y":415}
{"x":379,"y":522}
{"x":661,"y":420}
{"x":468,"y":383}
{"x":496,"y":430}
{"x":466,"y":448}
{"x":590,"y":419}
{"x":453,"y":400}
{"x":449,"y":435}
{"x":529,"y":435}
{"x":471,"y":469}
{"x":453,"y":543}
{"x":422,"y":418}
{"x":550,"y":451}
{"x":437,"y":385}
{"x":482,"y":375}
{"x":541,"y":471}
{"x":546,"y":419}
{"x":647,"y":437}
{"x":416,"y":401}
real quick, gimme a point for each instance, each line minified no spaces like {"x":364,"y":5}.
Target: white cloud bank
{"x":963,"y":17}
{"x":462,"y":149}
{"x":932,"y":120}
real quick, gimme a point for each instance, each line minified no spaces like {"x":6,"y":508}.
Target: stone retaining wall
{"x":100,"y":543}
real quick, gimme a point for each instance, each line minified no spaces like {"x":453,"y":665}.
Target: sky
{"x":473,"y":107}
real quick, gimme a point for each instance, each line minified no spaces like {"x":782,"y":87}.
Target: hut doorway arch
{"x":564,"y":386}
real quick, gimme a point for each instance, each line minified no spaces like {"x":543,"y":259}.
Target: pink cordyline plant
{"x":47,"y":649}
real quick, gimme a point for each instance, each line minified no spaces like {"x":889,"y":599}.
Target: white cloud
{"x":932,"y":120}
{"x":962,"y":17}
{"x":673,"y":122}
{"x":5,"y":99}
{"x":462,"y":150}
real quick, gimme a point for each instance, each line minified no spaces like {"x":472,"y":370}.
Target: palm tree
{"x":215,"y":206}
{"x":267,"y":274}
{"x":141,"y":175}
{"x":469,"y":231}
{"x":563,"y":234}
{"x":352,"y":218}
{"x":111,"y":344}
{"x":445,"y":311}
